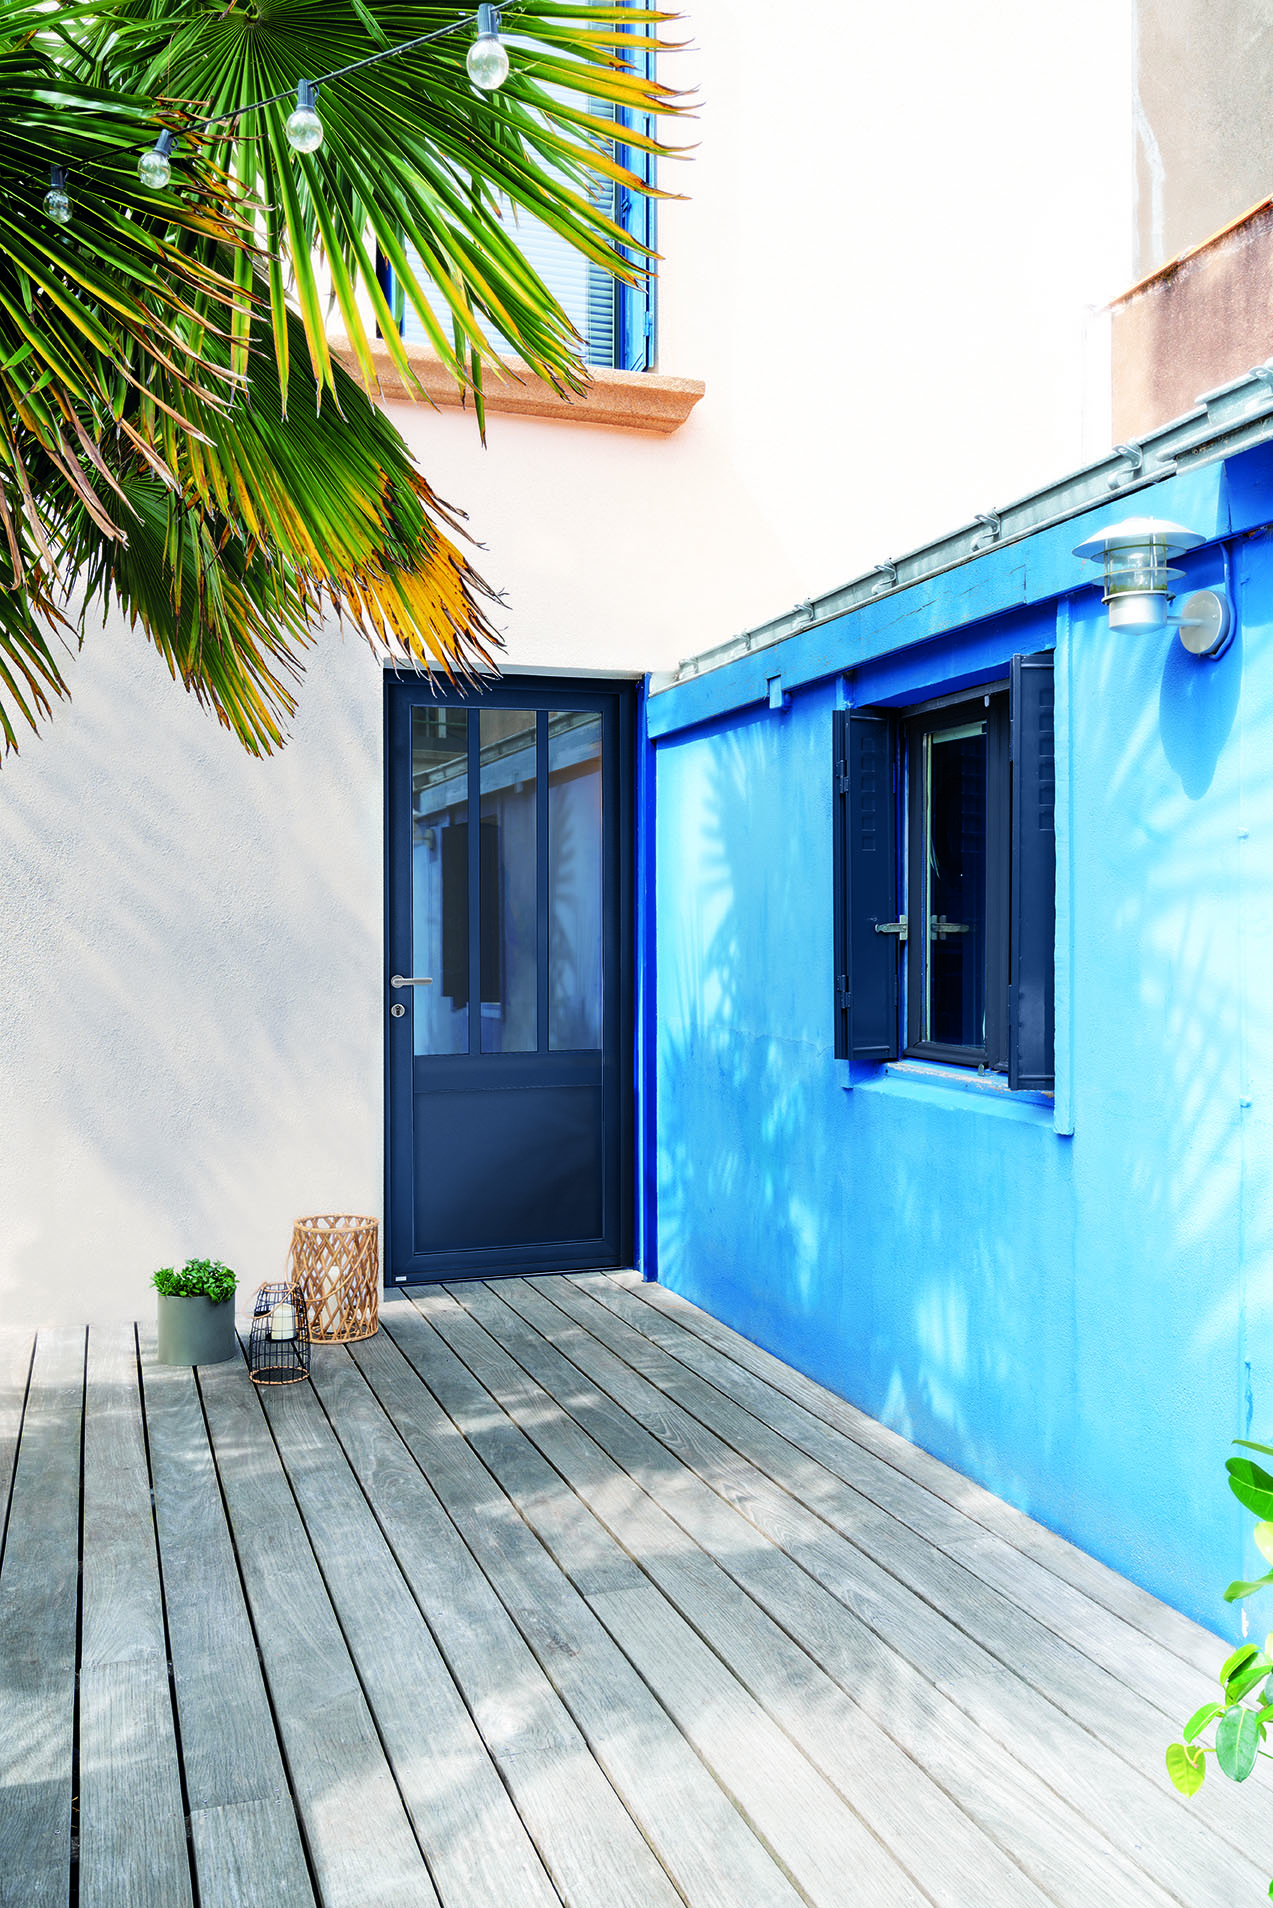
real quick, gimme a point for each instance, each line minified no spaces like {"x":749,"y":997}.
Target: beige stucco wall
{"x":899,"y":221}
{"x":1204,"y":73}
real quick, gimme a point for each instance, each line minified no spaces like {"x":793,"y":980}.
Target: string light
{"x":304,"y":128}
{"x":57,"y":206}
{"x":155,"y":169}
{"x":486,"y":63}
{"x":487,"y":59}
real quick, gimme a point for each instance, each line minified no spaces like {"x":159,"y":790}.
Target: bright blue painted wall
{"x":1081,"y":1322}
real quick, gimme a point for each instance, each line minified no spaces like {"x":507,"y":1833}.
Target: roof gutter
{"x":1231,"y":419}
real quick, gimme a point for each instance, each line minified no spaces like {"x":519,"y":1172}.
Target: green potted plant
{"x":196,"y":1312}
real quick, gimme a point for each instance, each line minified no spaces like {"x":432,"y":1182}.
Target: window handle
{"x":892,"y":927}
{"x":939,"y":927}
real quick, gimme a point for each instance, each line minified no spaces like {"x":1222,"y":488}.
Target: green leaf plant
{"x":198,"y":1278}
{"x":1241,"y":1716}
{"x":179,"y":439}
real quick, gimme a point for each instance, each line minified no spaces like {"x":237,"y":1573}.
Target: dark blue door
{"x":508,"y":989}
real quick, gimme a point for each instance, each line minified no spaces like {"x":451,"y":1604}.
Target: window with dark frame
{"x":945,"y":878}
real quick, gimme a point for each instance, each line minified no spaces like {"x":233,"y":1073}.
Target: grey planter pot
{"x":194,"y":1331}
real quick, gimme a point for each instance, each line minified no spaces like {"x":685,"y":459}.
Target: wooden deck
{"x":556,"y":1591}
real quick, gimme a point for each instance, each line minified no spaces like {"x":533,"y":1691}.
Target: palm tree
{"x":176,"y":437}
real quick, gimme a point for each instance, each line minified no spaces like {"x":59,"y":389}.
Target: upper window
{"x":615,"y":321}
{"x":945,"y":862}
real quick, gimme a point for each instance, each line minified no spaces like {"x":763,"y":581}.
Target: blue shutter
{"x":865,"y":887}
{"x":1033,"y":931}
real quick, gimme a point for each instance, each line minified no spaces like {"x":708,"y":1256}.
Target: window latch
{"x":939,"y":927}
{"x":892,"y":927}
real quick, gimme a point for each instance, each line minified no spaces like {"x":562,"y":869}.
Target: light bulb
{"x":57,"y":206}
{"x":487,"y":60}
{"x":304,"y":128}
{"x":154,"y":169}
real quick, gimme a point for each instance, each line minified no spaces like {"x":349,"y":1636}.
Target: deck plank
{"x":361,"y":1845}
{"x":700,"y":1834}
{"x":1025,"y":1641}
{"x":16,"y":1349}
{"x":1013,"y":1808}
{"x":1118,"y":1646}
{"x":38,"y":1611}
{"x":132,"y":1816}
{"x":588,"y":1843}
{"x":1172,"y":1631}
{"x":478,"y":1852}
{"x":697,"y":1478}
{"x":243,"y":1824}
{"x":901,"y":1806}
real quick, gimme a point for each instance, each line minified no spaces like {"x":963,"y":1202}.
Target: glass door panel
{"x":440,"y":879}
{"x":509,"y":963}
{"x":575,"y":848}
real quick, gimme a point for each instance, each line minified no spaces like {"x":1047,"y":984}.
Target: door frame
{"x":623,"y":690}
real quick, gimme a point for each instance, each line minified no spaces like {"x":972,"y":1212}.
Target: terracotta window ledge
{"x":626,"y":400}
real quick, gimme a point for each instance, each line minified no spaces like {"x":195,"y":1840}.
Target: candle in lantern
{"x":283,"y":1321}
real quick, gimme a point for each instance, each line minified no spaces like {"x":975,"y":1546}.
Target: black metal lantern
{"x":278,"y":1349}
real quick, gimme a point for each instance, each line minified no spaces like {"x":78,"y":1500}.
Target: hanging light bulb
{"x":304,"y":128}
{"x":56,"y":204}
{"x":487,"y":60}
{"x":154,"y":170}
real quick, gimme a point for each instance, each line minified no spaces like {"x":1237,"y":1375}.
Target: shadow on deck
{"x":557,"y":1591}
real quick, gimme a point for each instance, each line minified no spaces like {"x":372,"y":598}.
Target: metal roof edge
{"x":1233,"y":418}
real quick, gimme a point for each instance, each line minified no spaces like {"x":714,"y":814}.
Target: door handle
{"x":418,"y":980}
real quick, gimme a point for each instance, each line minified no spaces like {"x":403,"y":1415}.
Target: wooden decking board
{"x":1023,"y":1641}
{"x":242,"y":1819}
{"x":478,"y":1853}
{"x":38,"y":1613}
{"x":16,"y":1349}
{"x":1118,"y":1646}
{"x":698,"y":1832}
{"x":1176,"y":1633}
{"x":706,"y":1849}
{"x":360,"y":1841}
{"x":587,"y":1842}
{"x":1048,"y":1837}
{"x":132,"y":1815}
{"x":569,"y":1598}
{"x":909,"y":1814}
{"x":676,"y":1450}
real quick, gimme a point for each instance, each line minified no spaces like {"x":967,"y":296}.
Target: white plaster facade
{"x":899,"y":223}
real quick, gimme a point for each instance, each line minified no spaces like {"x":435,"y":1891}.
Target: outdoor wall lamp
{"x":1136,"y":559}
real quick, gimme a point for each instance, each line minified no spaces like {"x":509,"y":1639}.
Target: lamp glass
{"x":487,"y":63}
{"x":304,"y":130}
{"x":154,"y":170}
{"x":57,"y":206}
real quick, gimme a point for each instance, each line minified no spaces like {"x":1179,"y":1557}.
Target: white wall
{"x":897,"y":223}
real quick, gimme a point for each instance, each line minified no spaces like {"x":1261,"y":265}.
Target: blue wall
{"x":1079,"y":1319}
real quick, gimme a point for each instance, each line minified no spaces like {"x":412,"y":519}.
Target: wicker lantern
{"x":335,"y":1259}
{"x":278,"y":1349}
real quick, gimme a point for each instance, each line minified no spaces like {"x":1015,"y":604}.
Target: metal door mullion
{"x":542,"y":923}
{"x":475,"y":880}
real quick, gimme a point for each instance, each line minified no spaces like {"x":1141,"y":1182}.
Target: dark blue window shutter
{"x":866,"y":887}
{"x":1031,"y":992}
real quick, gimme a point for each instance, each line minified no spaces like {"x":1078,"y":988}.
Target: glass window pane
{"x":440,"y":879}
{"x":955,"y":881}
{"x":574,"y":880}
{"x":509,"y":954}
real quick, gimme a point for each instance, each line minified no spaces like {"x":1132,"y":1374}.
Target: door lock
{"x":397,"y":1010}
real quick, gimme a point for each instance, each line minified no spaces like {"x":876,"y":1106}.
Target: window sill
{"x":931,"y":1083}
{"x":620,"y":400}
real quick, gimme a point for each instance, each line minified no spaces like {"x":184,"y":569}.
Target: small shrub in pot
{"x":196,"y":1312}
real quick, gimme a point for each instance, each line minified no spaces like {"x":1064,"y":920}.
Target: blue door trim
{"x":402,"y":692}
